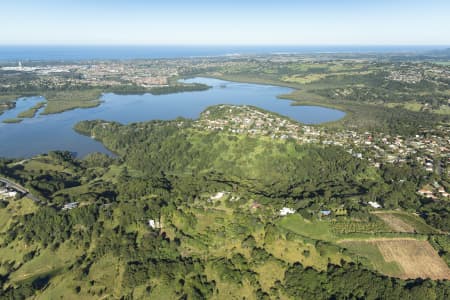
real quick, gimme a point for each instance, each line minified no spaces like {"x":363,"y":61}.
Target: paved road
{"x":19,"y":188}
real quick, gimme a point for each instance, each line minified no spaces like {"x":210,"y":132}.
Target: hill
{"x":188,"y":212}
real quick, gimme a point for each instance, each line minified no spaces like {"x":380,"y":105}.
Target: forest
{"x":214,"y":199}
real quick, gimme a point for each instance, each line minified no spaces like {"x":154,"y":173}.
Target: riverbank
{"x":49,"y":132}
{"x":362,"y":116}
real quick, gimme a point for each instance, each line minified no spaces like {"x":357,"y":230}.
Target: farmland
{"x":402,"y":257}
{"x":416,"y":258}
{"x":374,"y":243}
{"x":405,"y":222}
{"x":395,"y":223}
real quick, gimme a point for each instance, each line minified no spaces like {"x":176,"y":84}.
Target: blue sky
{"x":243,"y":22}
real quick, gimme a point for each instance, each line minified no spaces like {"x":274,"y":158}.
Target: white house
{"x":70,"y":206}
{"x":7,"y":193}
{"x":154,"y":224}
{"x":218,"y":196}
{"x":374,"y":204}
{"x":286,"y":211}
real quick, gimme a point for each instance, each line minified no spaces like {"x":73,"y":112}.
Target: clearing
{"x":417,"y":258}
{"x":400,"y":221}
{"x":395,"y":223}
{"x":414,"y":258}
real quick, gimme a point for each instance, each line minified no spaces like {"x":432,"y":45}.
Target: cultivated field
{"x":400,"y":221}
{"x":414,"y":258}
{"x":417,"y":258}
{"x":395,"y":223}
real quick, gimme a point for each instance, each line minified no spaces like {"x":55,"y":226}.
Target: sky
{"x":220,"y":22}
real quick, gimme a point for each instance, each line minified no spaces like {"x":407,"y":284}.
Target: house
{"x":325,"y":213}
{"x":425,"y":192}
{"x":8,"y":193}
{"x":154,"y":224}
{"x":70,"y":206}
{"x":218,"y":196}
{"x":374,"y":204}
{"x":286,"y":211}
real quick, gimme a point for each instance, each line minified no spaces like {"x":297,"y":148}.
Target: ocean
{"x":75,"y":53}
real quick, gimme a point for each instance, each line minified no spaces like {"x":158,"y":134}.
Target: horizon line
{"x":228,"y":45}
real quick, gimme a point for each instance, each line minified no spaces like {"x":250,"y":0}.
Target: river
{"x":44,"y":133}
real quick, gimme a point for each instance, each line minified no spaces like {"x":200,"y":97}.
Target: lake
{"x":55,"y":132}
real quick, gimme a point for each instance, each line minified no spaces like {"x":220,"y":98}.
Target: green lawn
{"x":319,"y":230}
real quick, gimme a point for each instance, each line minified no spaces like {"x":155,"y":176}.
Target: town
{"x":429,"y":148}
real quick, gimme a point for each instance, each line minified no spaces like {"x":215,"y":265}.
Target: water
{"x":75,"y":53}
{"x":55,"y":132}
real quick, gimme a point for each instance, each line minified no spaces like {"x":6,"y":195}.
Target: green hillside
{"x":214,"y":199}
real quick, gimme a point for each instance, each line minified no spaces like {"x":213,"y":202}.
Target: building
{"x":8,"y":193}
{"x":286,"y":211}
{"x":325,"y":213}
{"x":70,"y":206}
{"x":374,"y":204}
{"x":154,"y":224}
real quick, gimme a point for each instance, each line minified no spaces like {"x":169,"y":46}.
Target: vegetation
{"x":63,"y":100}
{"x":12,"y":121}
{"x":202,"y":244}
{"x":185,"y":213}
{"x":30,"y":113}
{"x":377,"y":96}
{"x":59,"y":101}
{"x":179,"y":88}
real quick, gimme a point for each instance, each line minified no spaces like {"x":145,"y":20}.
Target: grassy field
{"x":313,"y":229}
{"x":43,"y":163}
{"x":12,"y":121}
{"x":393,"y":244}
{"x":269,"y":272}
{"x":103,"y":272}
{"x":371,"y":252}
{"x":14,"y":251}
{"x":417,"y":258}
{"x":414,"y":106}
{"x":15,"y":208}
{"x":303,"y":79}
{"x":395,"y":223}
{"x":307,"y":254}
{"x":61,"y":101}
{"x":30,"y":113}
{"x":401,"y":257}
{"x":405,"y":222}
